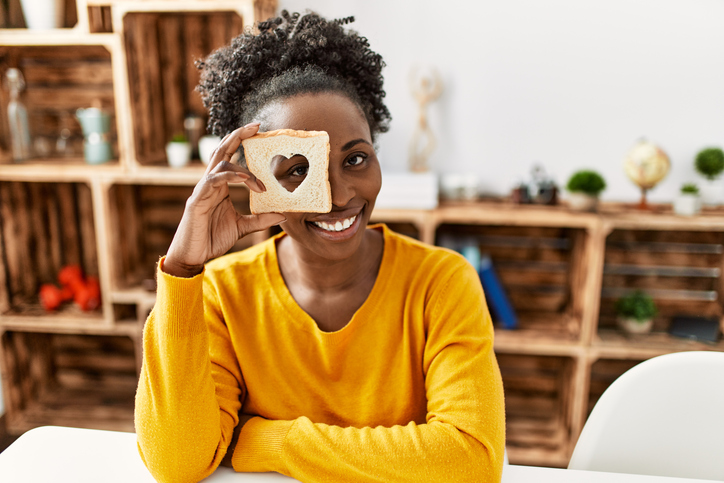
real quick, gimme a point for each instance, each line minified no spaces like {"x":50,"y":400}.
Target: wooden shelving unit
{"x":561,"y":269}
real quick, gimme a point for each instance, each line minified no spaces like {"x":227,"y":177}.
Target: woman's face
{"x":354,"y":172}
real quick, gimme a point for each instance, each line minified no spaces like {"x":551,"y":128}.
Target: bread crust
{"x":313,"y":195}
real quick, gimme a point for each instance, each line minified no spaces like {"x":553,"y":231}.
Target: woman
{"x":333,"y":351}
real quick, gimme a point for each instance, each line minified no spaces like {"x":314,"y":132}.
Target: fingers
{"x":230,"y":144}
{"x":231,"y":173}
{"x":252,"y":223}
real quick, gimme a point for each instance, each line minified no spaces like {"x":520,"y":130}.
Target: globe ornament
{"x":646,"y":165}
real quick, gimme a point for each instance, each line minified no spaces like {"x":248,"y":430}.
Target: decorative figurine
{"x":425,"y":89}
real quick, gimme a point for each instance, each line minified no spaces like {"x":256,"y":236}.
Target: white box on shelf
{"x":408,"y":191}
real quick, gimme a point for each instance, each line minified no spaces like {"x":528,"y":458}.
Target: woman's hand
{"x":210,"y":225}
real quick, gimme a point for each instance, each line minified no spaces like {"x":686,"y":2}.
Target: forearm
{"x":417,"y":453}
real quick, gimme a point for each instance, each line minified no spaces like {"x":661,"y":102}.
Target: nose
{"x":342,"y":187}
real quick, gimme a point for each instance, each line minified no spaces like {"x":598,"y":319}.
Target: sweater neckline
{"x":302,"y":318}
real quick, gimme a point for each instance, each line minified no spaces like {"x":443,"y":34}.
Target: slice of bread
{"x":313,"y":195}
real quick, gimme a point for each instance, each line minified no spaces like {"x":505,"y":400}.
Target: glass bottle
{"x":17,"y":116}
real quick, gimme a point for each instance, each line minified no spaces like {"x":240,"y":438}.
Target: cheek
{"x":374,"y":182}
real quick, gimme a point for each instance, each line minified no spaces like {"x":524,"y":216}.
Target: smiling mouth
{"x":338,"y":226}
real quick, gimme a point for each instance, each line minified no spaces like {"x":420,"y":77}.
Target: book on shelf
{"x":498,"y":302}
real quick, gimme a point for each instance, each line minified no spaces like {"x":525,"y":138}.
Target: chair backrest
{"x":663,"y":417}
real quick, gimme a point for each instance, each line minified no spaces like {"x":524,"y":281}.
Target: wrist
{"x":181,"y":270}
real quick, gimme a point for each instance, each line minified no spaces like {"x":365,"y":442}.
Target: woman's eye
{"x":355,"y":160}
{"x":299,"y":171}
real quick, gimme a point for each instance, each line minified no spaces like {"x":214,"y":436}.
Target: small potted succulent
{"x":178,"y":151}
{"x":585,"y":186}
{"x":688,"y":202}
{"x":635,"y":312}
{"x":709,"y":163}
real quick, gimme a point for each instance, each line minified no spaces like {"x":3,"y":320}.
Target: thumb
{"x":252,"y":223}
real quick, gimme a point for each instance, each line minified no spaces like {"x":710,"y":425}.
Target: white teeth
{"x":339,"y":226}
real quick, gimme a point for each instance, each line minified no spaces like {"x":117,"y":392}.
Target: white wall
{"x":568,"y":83}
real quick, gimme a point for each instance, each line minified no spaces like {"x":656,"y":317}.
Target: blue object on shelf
{"x":500,"y":307}
{"x":495,"y":294}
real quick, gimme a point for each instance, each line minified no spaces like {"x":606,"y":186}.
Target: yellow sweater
{"x":408,"y":390}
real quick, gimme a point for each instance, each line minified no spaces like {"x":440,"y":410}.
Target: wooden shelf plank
{"x":510,"y":214}
{"x":134,"y":295}
{"x":57,"y":37}
{"x":613,"y":344}
{"x":66,"y":325}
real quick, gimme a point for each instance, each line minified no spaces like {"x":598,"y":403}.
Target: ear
{"x":313,"y":195}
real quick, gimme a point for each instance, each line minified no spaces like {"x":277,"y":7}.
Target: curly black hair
{"x":292,"y":54}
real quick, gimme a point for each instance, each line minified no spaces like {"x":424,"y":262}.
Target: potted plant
{"x":635,"y":312}
{"x":688,"y":202}
{"x":709,"y":163}
{"x":178,"y":151}
{"x":585,"y":186}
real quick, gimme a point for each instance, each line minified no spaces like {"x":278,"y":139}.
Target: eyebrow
{"x":353,"y":143}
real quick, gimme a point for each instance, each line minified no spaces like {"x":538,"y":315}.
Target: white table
{"x":71,"y":455}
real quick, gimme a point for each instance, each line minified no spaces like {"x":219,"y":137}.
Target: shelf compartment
{"x":161,"y":48}
{"x":681,"y":270}
{"x":44,"y":226}
{"x":537,"y":268}
{"x":13,"y":16}
{"x":538,"y":393}
{"x":603,"y":373}
{"x":143,"y":222}
{"x":69,"y":380}
{"x":59,"y":80}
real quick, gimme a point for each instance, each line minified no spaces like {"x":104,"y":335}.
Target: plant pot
{"x":582,"y":202}
{"x":687,"y":204}
{"x":712,"y":192}
{"x":43,"y":14}
{"x":178,"y":154}
{"x":635,"y":326}
{"x":207,"y":144}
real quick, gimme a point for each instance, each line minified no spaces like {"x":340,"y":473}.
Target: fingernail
{"x":242,"y":175}
{"x":261,"y":185}
{"x":255,"y":123}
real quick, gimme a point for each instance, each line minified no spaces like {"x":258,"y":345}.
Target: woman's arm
{"x":186,"y":405}
{"x":464,"y":434}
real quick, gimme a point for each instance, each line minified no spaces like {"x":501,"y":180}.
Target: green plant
{"x":710,"y":162}
{"x":179,"y":138}
{"x":586,"y":181}
{"x":690,"y":188}
{"x":636,"y":305}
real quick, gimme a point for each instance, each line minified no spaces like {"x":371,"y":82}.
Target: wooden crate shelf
{"x":161,"y":48}
{"x":538,"y":408}
{"x":141,"y":236}
{"x":60,"y":78}
{"x":45,"y":226}
{"x":536,"y":266}
{"x":74,"y":380}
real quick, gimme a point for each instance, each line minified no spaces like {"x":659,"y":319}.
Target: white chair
{"x":663,"y":417}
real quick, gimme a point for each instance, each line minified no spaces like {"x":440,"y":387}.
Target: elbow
{"x":483,"y":462}
{"x":173,"y":465}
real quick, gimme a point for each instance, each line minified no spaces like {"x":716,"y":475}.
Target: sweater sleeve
{"x":188,"y":399}
{"x":462,"y":439}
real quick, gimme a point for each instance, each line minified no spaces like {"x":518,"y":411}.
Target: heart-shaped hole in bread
{"x":289,"y":172}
